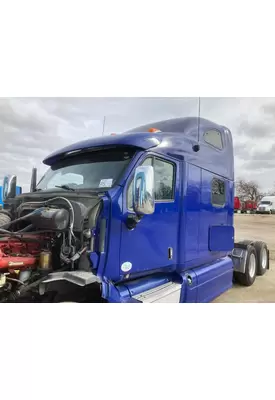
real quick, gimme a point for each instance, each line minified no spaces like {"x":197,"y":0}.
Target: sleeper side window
{"x":164,"y":181}
{"x":214,"y":138}
{"x":218,"y":192}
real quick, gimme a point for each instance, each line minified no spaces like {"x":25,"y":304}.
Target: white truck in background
{"x":266,"y":205}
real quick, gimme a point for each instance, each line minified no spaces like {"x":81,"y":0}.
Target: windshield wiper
{"x":66,"y":187}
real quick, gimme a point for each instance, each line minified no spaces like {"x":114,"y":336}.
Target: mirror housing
{"x":144,"y":191}
{"x":9,"y":187}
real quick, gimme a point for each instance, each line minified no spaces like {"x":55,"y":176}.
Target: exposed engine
{"x":37,"y":238}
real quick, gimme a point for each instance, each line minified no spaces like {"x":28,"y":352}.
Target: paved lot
{"x":257,"y":227}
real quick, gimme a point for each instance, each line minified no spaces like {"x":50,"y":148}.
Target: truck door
{"x":152,"y":244}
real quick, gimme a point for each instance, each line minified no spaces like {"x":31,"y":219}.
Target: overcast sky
{"x":31,"y":128}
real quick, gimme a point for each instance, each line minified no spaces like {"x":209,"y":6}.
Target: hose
{"x":15,"y":280}
{"x":5,"y":231}
{"x":26,"y":229}
{"x":21,"y":218}
{"x":71,"y":210}
{"x":22,"y":234}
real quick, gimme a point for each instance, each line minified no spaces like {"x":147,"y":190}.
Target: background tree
{"x":272,"y":191}
{"x":248,"y":190}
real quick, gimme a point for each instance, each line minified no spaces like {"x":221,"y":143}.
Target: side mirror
{"x":9,"y":187}
{"x":144,"y":191}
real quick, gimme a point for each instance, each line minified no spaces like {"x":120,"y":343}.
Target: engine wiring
{"x":45,"y":241}
{"x":71,"y":210}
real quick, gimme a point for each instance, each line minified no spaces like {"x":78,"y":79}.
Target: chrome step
{"x":167,"y":293}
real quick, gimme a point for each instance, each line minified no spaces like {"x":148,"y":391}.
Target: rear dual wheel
{"x":262,"y":257}
{"x":256,"y":263}
{"x":248,"y":278}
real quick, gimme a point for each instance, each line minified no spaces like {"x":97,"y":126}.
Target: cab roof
{"x":174,"y":138}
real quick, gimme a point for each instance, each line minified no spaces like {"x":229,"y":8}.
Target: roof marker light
{"x":153,"y":130}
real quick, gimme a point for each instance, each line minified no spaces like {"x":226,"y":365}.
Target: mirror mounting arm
{"x":132,"y":220}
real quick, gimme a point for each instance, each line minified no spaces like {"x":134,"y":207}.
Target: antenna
{"x":199,"y":119}
{"x":196,"y":147}
{"x":103,"y":128}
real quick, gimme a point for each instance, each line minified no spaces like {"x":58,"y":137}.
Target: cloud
{"x":31,"y":128}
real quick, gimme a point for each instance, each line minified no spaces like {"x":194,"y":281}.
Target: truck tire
{"x":4,"y":219}
{"x":262,"y":257}
{"x":248,"y":278}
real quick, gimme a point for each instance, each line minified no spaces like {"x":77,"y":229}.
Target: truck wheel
{"x":262,"y":257}
{"x":248,"y":278}
{"x":4,"y":219}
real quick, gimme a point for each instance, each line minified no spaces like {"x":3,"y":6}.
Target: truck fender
{"x":239,"y":255}
{"x":243,"y":244}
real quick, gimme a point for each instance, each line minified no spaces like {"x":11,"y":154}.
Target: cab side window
{"x":164,"y":181}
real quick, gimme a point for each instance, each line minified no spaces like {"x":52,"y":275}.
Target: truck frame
{"x":143,"y":216}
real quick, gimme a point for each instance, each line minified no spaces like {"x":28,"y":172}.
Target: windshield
{"x":97,"y":170}
{"x":266,"y":203}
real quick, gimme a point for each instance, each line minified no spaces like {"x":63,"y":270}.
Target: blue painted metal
{"x":146,"y":247}
{"x":211,"y":281}
{"x":18,"y":191}
{"x":200,"y":285}
{"x":221,"y":238}
{"x":143,"y":141}
{"x":175,"y":140}
{"x":199,"y":233}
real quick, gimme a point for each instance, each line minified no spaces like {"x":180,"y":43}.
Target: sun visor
{"x":142,"y":141}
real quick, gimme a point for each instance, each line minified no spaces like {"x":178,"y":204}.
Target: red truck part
{"x":237,"y":205}
{"x":16,"y":254}
{"x":250,"y":206}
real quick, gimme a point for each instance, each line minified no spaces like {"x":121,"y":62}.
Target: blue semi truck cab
{"x":143,"y":216}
